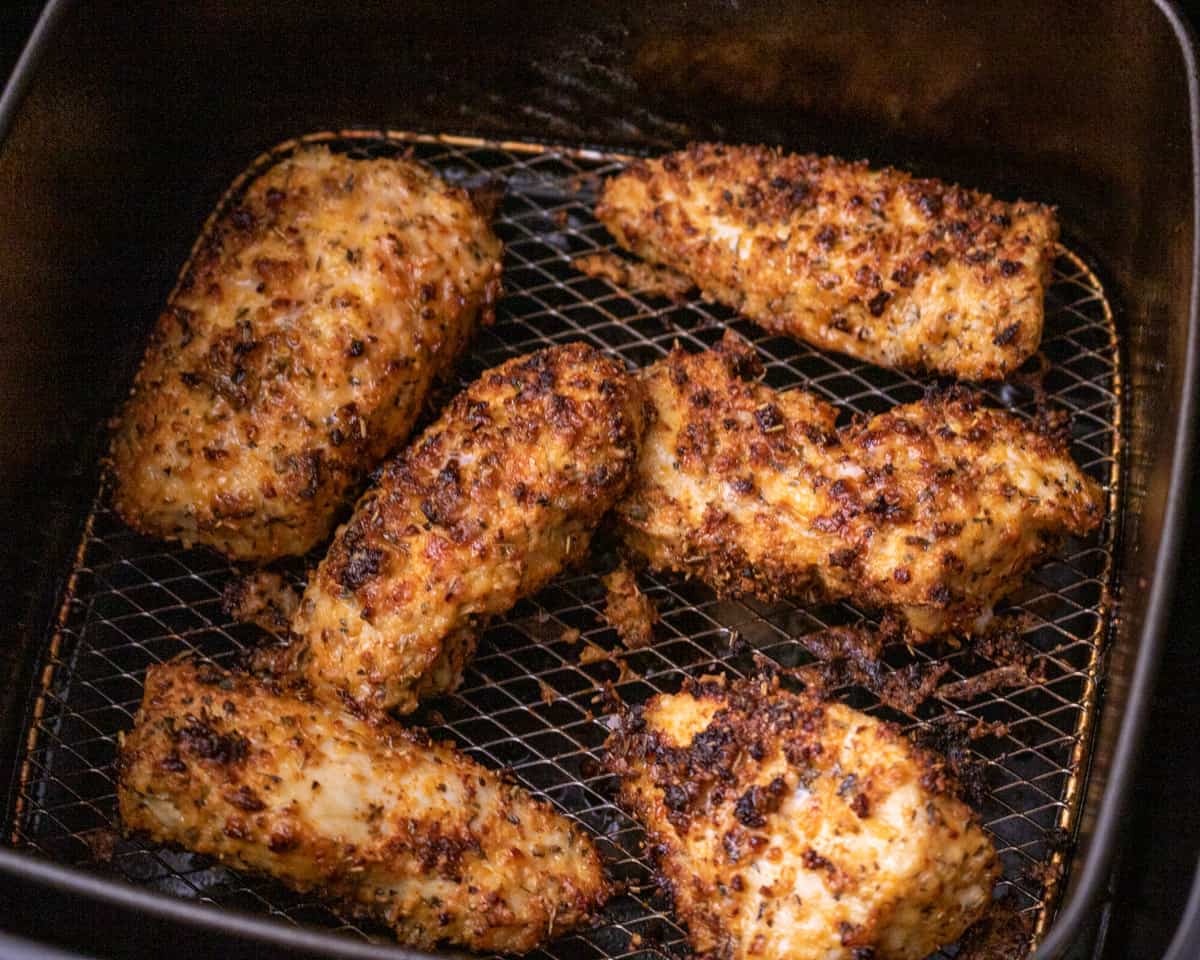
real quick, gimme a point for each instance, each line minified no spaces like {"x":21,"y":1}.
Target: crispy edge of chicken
{"x":788,"y":827}
{"x":935,"y":509}
{"x":874,"y":263}
{"x":298,"y":350}
{"x":497,"y":497}
{"x":376,"y":819}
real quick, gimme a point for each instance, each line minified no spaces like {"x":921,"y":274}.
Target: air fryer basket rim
{"x":26,"y":66}
{"x":1075,"y":912}
{"x":1096,"y":867}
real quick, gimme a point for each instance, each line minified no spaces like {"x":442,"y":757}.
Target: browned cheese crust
{"x":636,"y":275}
{"x":494,"y":499}
{"x":790,"y":829}
{"x":935,"y":509}
{"x":298,"y":351}
{"x":263,"y":598}
{"x":373,"y":818}
{"x":627,"y":610}
{"x":877,"y":264}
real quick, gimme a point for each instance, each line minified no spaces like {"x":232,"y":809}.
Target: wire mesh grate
{"x":528,"y":702}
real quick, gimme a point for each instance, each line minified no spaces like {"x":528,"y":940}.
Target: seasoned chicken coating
{"x":877,"y":264}
{"x":298,"y":350}
{"x":494,"y":499}
{"x":263,"y":598}
{"x":374,"y":818}
{"x":791,"y":829}
{"x":935,"y":509}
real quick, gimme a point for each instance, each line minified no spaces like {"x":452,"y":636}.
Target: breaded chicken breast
{"x":374,"y":818}
{"x":874,"y":263}
{"x":935,"y":509}
{"x":791,"y":829}
{"x":298,"y":350}
{"x":494,"y":499}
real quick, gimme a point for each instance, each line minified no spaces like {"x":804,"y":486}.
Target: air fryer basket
{"x":527,"y":701}
{"x":109,"y":602}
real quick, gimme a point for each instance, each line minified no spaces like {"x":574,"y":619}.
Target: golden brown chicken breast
{"x":494,"y":499}
{"x":298,"y":350}
{"x":791,"y":829}
{"x":935,"y":509}
{"x":373,"y":817}
{"x":876,"y":264}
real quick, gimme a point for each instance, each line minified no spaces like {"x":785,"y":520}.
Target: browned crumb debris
{"x":593,"y":654}
{"x":629,"y":611}
{"x":486,"y":199}
{"x":983,"y":728}
{"x":948,"y":736}
{"x":264,"y":599}
{"x":547,"y":692}
{"x":276,"y":661}
{"x":849,"y":655}
{"x":635,"y":275}
{"x":1046,"y":874}
{"x":1001,"y":934}
{"x":1016,"y":664}
{"x":101,"y":843}
{"x":853,"y":655}
{"x":608,"y":700}
{"x":1012,"y":675}
{"x":1004,"y":645}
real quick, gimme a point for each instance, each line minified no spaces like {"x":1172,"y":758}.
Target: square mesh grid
{"x":527,"y":701}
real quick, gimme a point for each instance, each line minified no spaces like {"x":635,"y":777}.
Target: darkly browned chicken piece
{"x":298,"y":351}
{"x":791,"y":829}
{"x":494,"y":499}
{"x":374,"y":818}
{"x":873,"y":263}
{"x":935,"y":509}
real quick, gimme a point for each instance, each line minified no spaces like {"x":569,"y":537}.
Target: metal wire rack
{"x":527,"y":702}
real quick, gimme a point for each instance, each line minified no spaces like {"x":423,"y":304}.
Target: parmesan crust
{"x":374,"y":818}
{"x":484,"y":508}
{"x":934,"y":509}
{"x":298,"y":351}
{"x":791,"y":829}
{"x":874,"y":263}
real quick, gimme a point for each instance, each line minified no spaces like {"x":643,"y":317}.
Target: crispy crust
{"x":936,"y":509}
{"x":874,"y":263}
{"x":494,"y":499}
{"x":373,"y":817}
{"x":785,"y":827}
{"x":298,"y":351}
{"x":263,"y":598}
{"x":627,"y":610}
{"x":642,"y":277}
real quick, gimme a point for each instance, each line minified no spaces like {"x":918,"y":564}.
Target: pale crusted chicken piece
{"x":874,"y":263}
{"x":791,"y":829}
{"x":375,"y":819}
{"x":298,"y":351}
{"x":935,"y":509}
{"x":494,"y":499}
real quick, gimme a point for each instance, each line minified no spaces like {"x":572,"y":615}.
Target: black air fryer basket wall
{"x":138,"y":115}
